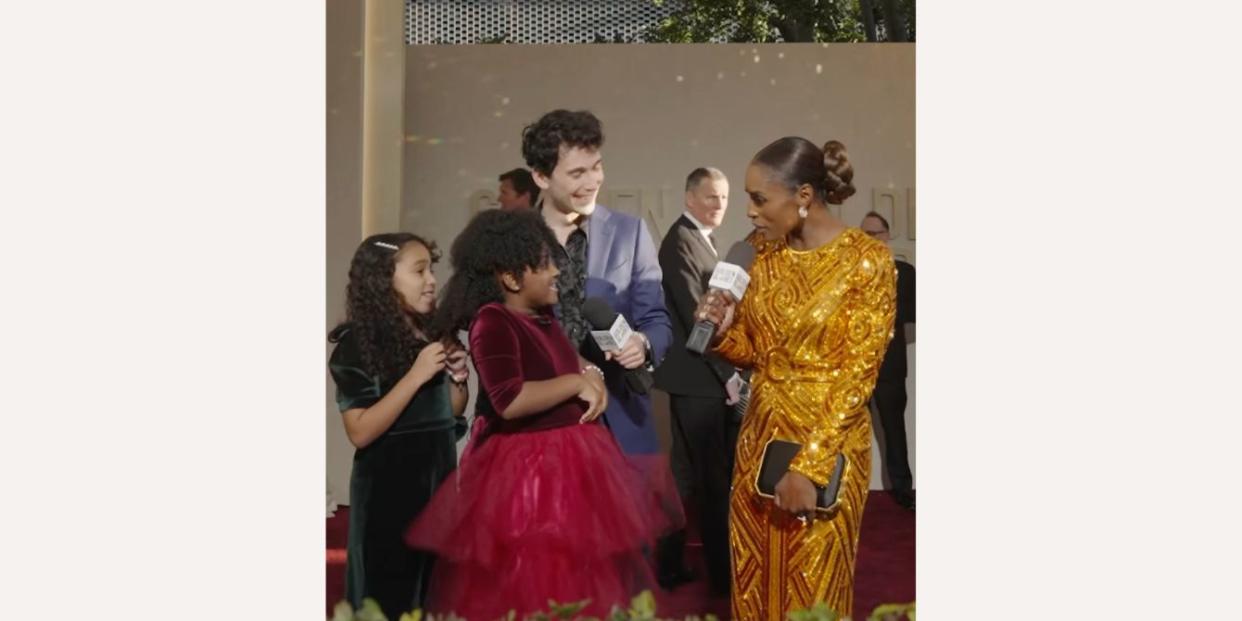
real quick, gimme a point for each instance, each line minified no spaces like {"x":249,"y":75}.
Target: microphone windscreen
{"x":741,"y":254}
{"x":598,"y":313}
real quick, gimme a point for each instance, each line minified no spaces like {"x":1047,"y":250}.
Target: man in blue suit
{"x":603,"y":254}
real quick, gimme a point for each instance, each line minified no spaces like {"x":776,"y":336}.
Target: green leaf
{"x":883,"y":612}
{"x":566,"y":611}
{"x":370,"y":611}
{"x":343,"y":612}
{"x":818,"y":612}
{"x":643,"y":606}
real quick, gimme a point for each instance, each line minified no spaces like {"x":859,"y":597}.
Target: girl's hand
{"x":430,"y":361}
{"x":593,"y":392}
{"x":455,"y":362}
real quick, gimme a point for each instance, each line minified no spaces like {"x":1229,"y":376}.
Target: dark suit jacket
{"x":894,"y":367}
{"x":687,"y":261}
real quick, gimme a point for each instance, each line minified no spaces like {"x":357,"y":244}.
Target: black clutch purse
{"x":776,"y":458}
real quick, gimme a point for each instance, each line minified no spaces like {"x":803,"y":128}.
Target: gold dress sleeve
{"x":869,"y":321}
{"x":736,"y":347}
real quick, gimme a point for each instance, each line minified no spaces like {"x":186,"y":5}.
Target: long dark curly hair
{"x":385,"y":333}
{"x":495,"y":242}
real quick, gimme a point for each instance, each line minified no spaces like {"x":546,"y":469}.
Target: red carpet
{"x":885,"y":572}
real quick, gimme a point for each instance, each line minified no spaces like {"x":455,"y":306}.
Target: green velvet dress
{"x":393,"y":478}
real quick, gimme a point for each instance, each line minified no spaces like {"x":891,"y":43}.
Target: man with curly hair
{"x":601,"y":254}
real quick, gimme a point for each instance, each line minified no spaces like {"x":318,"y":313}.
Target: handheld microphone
{"x":611,"y":331}
{"x":730,"y":275}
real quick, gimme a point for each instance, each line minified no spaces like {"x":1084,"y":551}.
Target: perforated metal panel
{"x":529,"y":21}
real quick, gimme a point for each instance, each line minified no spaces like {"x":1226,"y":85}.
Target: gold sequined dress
{"x":814,"y":326}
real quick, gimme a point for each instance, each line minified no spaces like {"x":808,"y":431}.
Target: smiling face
{"x":539,"y":286}
{"x":574,"y":184}
{"x":532,"y":289}
{"x":413,"y":279}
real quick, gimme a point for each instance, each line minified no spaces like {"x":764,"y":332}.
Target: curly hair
{"x":386,"y":334}
{"x":495,"y":242}
{"x":798,"y":161}
{"x":542,"y":140}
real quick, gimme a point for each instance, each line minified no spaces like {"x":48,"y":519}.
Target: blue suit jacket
{"x":624,"y":270}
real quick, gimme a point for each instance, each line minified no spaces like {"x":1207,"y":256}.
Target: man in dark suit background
{"x":888,"y":400}
{"x":702,"y":389}
{"x":517,"y":190}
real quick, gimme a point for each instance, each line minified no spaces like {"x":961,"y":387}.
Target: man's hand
{"x":733,"y":388}
{"x":633,"y":355}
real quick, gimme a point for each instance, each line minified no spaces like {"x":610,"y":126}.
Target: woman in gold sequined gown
{"x":813,"y":325}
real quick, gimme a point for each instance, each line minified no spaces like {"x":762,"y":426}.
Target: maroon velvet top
{"x":509,"y":348}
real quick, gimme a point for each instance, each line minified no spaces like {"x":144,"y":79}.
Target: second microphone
{"x":611,"y":331}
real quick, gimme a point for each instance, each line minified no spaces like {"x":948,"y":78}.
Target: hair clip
{"x":385,"y":245}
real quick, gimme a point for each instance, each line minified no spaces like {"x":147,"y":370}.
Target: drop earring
{"x":802,"y":212}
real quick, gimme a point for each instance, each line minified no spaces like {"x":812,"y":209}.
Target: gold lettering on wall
{"x":625,"y":200}
{"x":898,"y":210}
{"x":910,"y":214}
{"x":481,"y":200}
{"x":883,"y":202}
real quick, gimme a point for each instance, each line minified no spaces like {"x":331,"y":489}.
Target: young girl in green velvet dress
{"x":401,"y":396}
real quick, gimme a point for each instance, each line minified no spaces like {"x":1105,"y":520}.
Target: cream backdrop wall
{"x":666,"y":109}
{"x":343,"y":190}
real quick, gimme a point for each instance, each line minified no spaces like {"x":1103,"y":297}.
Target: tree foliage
{"x":770,"y":21}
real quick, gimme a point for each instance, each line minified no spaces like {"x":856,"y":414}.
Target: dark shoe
{"x":670,"y":580}
{"x":904,"y":497}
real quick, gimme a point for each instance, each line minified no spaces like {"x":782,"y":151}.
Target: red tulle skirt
{"x":556,"y":514}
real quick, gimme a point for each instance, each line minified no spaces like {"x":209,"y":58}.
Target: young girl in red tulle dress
{"x":545,"y":505}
